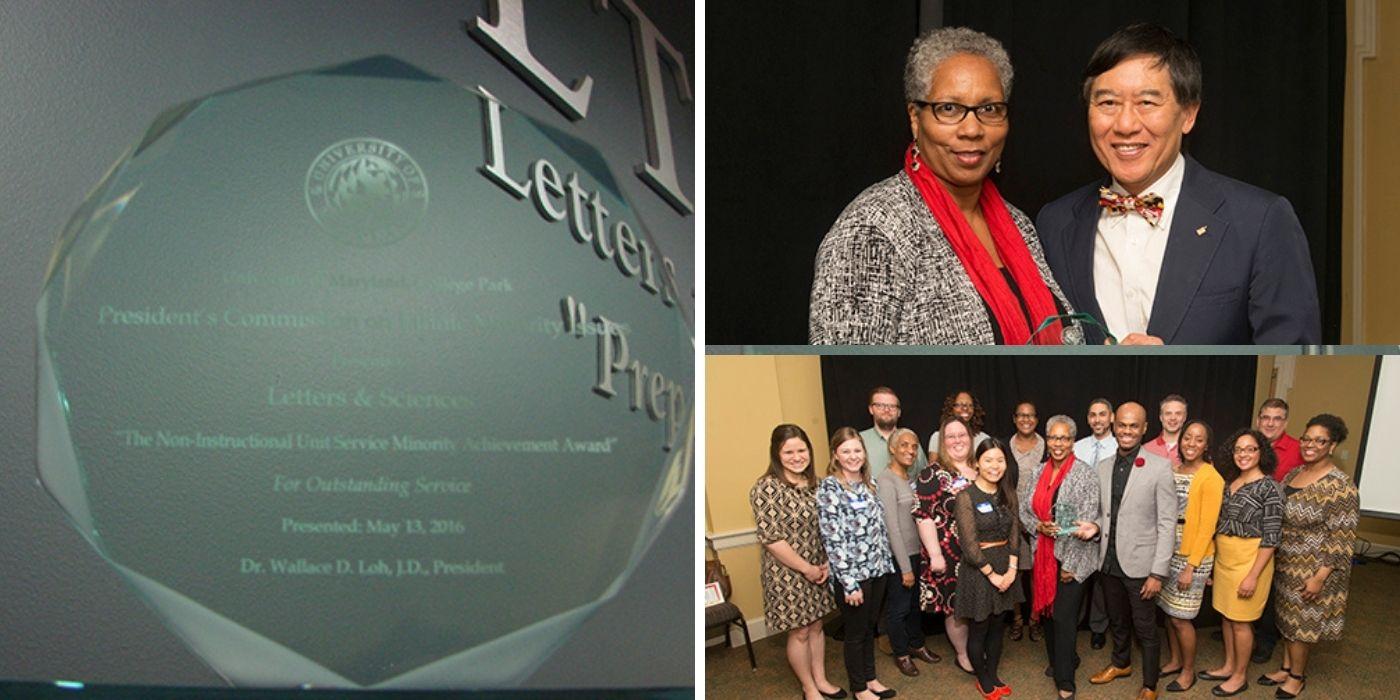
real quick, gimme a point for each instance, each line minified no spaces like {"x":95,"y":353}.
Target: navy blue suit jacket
{"x":1247,"y":279}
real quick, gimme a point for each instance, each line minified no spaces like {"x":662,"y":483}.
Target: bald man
{"x":1137,"y":535}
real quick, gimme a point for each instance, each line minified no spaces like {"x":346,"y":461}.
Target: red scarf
{"x":978,"y":262}
{"x":1045,"y":572}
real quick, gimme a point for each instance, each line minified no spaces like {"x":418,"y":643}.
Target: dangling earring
{"x":915,"y":146}
{"x":998,"y":167}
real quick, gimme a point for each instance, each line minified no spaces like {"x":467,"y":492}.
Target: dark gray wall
{"x":80,"y":82}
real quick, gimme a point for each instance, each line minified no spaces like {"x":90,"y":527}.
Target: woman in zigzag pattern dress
{"x":1320,"y":514}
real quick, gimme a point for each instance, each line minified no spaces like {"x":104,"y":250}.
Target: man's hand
{"x":1139,"y":339}
{"x":1150,"y":588}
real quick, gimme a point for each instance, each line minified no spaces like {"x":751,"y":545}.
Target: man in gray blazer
{"x":1137,"y":535}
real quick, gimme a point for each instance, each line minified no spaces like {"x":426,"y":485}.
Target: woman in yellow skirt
{"x":1251,"y":520}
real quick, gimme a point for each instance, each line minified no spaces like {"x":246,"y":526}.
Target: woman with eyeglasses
{"x":951,"y":471}
{"x":1320,"y":513}
{"x":1246,"y":535}
{"x":934,"y":255}
{"x":1062,"y":489}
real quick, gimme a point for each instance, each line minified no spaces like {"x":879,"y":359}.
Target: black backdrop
{"x":805,"y":110}
{"x":1218,"y":389}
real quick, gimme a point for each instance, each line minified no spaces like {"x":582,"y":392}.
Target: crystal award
{"x":360,"y":378}
{"x":1065,"y":518}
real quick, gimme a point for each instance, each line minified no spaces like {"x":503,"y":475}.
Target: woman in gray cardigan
{"x":903,"y":618}
{"x":1063,"y":559}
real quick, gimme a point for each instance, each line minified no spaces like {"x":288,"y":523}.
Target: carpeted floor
{"x":1364,"y":664}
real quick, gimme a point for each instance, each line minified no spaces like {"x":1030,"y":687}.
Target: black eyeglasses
{"x":990,"y":114}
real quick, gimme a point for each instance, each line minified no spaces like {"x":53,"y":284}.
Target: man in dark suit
{"x":1164,"y":250}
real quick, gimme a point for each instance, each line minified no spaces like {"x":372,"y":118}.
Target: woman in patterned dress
{"x":1199,"y":490}
{"x":937,"y":486}
{"x":1320,"y":514}
{"x":795,"y":569}
{"x":1246,"y":535}
{"x":858,"y":546}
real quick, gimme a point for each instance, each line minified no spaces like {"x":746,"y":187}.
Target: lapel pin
{"x":1201,"y":231}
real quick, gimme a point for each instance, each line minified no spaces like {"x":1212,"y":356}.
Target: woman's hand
{"x":996,"y":578}
{"x":1247,"y":586}
{"x":855,"y":599}
{"x":1065,"y":576}
{"x":937,"y":565}
{"x":1047,"y":528}
{"x":814,"y":574}
{"x":1312,"y":586}
{"x":1088,"y":530}
{"x":1183,"y":581}
{"x":1008,"y":579}
{"x":907,"y":578}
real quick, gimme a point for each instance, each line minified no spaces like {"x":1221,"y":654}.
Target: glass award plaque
{"x":360,"y":378}
{"x":1065,"y":517}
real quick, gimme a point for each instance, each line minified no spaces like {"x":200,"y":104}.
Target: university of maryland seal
{"x":366,"y":192}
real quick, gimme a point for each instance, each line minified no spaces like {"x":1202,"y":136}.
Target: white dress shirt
{"x":1091,"y":449}
{"x":1128,"y":254}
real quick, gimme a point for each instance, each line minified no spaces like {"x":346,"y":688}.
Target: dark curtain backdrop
{"x":805,"y":110}
{"x":1218,"y":389}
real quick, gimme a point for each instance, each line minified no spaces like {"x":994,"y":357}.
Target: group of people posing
{"x":934,"y":256}
{"x":980,"y":530}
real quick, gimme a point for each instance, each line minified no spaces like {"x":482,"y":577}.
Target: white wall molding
{"x":1363,"y":48}
{"x":733,"y":538}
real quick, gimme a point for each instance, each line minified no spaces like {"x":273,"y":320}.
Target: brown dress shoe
{"x":924,"y":655}
{"x":1109,"y":673}
{"x":906,"y":666}
{"x":1147,"y":694}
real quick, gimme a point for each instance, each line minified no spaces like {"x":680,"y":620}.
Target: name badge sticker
{"x":984,"y":507}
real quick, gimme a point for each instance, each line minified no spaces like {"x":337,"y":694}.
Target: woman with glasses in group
{"x":1320,"y":513}
{"x":938,"y":484}
{"x":1063,"y":561}
{"x":934,"y":255}
{"x":1246,"y":535}
{"x":903,"y":620}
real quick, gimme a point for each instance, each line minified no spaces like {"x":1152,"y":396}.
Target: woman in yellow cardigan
{"x":1199,"y":492}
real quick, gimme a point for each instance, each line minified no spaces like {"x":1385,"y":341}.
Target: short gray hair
{"x":937,"y":45}
{"x":894,"y":437}
{"x":1061,"y":419}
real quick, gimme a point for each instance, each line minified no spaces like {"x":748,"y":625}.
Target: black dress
{"x":984,"y":517}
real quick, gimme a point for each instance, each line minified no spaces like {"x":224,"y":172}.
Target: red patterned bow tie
{"x":1148,"y":205}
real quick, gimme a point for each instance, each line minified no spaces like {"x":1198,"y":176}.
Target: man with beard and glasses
{"x":884,"y":409}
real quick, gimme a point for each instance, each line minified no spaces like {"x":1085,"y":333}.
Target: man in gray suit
{"x":1137,"y":535}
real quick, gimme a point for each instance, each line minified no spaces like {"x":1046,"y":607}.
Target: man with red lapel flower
{"x":1138,"y":529}
{"x":1163,"y":239}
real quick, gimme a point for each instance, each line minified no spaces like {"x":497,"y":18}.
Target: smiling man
{"x":1164,"y":250}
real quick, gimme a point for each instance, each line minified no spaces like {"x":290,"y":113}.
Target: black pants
{"x":859,"y":621}
{"x":903,"y":618}
{"x":1061,"y":631}
{"x":1129,"y":614}
{"x":984,"y":648}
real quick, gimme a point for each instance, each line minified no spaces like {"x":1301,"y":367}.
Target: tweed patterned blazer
{"x":886,"y":275}
{"x":1080,"y":487}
